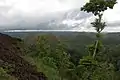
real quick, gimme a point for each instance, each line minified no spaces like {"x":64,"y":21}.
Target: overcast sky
{"x":52,"y":14}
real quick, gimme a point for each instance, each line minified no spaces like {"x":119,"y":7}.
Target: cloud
{"x":114,"y":24}
{"x":51,"y":14}
{"x":13,"y":12}
{"x":31,"y":7}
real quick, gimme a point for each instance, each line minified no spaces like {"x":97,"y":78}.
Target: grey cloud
{"x":114,"y":24}
{"x":20,"y":20}
{"x":77,"y":14}
{"x":50,"y":18}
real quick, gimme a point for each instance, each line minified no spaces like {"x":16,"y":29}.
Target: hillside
{"x":12,"y":60}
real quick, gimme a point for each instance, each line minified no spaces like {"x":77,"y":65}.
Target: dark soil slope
{"x":10,"y":58}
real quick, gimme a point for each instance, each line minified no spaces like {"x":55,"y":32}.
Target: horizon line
{"x":57,"y":31}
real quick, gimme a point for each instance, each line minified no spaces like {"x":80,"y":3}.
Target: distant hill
{"x":74,"y":40}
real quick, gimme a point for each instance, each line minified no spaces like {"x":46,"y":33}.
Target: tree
{"x":97,"y":7}
{"x":90,"y":67}
{"x":54,"y":58}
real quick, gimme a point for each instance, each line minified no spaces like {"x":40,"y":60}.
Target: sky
{"x":52,"y":15}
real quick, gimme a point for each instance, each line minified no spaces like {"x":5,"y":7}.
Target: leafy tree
{"x":90,"y":67}
{"x":54,"y":58}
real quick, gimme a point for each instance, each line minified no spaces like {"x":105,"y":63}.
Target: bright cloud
{"x":39,"y":6}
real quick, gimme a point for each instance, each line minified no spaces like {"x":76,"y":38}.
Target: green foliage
{"x":91,"y":47}
{"x":48,"y":69}
{"x":86,"y":67}
{"x":54,"y":59}
{"x":97,"y":6}
{"x":56,"y":64}
{"x":99,"y":26}
{"x":88,"y":61}
{"x":90,"y":69}
{"x":4,"y":75}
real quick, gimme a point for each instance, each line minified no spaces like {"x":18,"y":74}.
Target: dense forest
{"x":48,"y":50}
{"x":63,"y":55}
